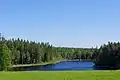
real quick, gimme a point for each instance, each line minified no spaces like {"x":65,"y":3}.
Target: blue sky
{"x":71,"y":23}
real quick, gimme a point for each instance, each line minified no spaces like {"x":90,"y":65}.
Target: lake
{"x":62,"y":66}
{"x":65,"y":65}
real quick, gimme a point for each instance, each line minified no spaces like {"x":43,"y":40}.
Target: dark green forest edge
{"x":20,"y":52}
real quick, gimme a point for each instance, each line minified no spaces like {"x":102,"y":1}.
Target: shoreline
{"x":31,"y":65}
{"x":42,"y":64}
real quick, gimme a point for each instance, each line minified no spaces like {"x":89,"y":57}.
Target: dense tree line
{"x":108,"y":55}
{"x":19,"y":51}
{"x":75,"y":53}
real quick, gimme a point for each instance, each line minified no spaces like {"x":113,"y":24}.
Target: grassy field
{"x":65,"y":75}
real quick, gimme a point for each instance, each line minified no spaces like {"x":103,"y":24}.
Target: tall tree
{"x":5,"y":57}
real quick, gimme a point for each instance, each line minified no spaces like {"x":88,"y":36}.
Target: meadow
{"x":61,"y":75}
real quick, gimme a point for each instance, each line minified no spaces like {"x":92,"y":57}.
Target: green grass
{"x":63,"y":75}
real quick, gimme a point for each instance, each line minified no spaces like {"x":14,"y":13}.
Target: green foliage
{"x":5,"y":58}
{"x":108,"y":55}
{"x":19,"y":51}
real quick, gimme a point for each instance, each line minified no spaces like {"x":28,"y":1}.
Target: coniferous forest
{"x":19,"y":51}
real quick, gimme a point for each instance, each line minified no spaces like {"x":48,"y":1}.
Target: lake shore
{"x":41,"y":64}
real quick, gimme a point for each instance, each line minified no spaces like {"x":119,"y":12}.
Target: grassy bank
{"x":69,"y":75}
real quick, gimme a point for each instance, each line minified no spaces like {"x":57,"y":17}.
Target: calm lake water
{"x":63,"y":66}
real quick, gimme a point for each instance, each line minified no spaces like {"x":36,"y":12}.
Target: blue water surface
{"x":64,"y":66}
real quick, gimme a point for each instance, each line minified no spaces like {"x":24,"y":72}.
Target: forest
{"x":108,"y":55}
{"x":19,"y":51}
